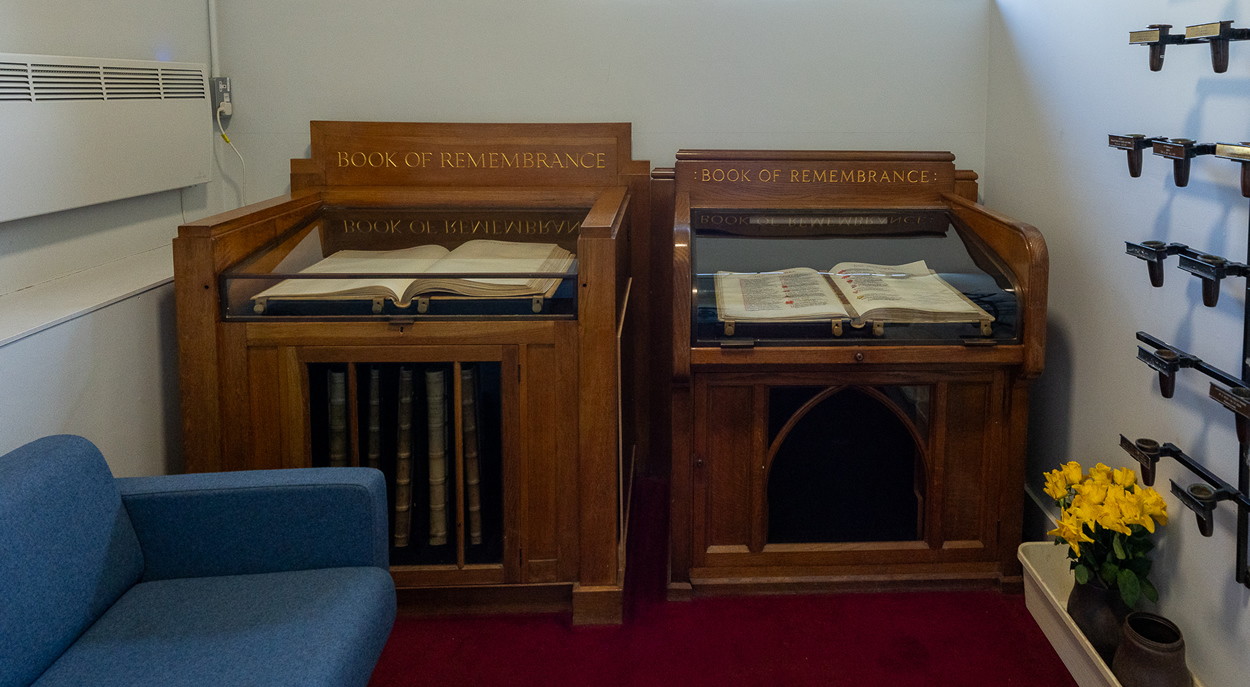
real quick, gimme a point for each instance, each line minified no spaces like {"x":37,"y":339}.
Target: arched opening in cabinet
{"x":846,"y":464}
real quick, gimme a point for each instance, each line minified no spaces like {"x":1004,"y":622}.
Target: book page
{"x":889,"y":289}
{"x":800,"y":293}
{"x":405,"y":260}
{"x":503,"y":257}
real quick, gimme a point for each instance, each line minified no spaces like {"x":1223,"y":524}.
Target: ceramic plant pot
{"x":1099,"y":613}
{"x":1152,"y":653}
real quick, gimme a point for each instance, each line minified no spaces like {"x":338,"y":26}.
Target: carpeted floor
{"x":969,"y":639}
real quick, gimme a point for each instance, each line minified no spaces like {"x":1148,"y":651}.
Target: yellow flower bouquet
{"x":1107,"y":521}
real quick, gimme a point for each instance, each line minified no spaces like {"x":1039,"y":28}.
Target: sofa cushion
{"x":307,"y":627}
{"x":67,"y":551}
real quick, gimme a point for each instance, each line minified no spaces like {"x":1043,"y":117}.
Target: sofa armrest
{"x":235,"y":523}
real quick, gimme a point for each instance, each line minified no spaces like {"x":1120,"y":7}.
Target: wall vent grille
{"x":75,"y":78}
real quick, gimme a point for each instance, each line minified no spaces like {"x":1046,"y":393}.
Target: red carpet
{"x":969,"y":639}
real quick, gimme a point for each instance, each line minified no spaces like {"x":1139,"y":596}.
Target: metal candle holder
{"x":1180,"y":151}
{"x":1218,"y":34}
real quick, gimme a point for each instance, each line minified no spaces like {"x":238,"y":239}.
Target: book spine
{"x":472,"y":467}
{"x":403,"y":462}
{"x":337,"y":393}
{"x":374,"y":454}
{"x":436,"y":416}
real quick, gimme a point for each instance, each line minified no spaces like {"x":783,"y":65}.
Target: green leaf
{"x":1130,"y":587}
{"x":1119,"y":547}
{"x":1082,"y":574}
{"x":1109,"y":573}
{"x":1149,"y":591}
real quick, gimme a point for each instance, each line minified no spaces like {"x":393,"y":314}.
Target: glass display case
{"x":357,"y":263}
{"x":773,"y":242}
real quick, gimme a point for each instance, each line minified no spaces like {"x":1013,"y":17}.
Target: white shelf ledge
{"x":1047,"y":583}
{"x":42,"y":306}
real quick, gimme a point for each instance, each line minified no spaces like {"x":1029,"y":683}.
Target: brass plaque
{"x":1155,"y":362}
{"x":1235,"y":403}
{"x":1172,"y":150}
{"x":1126,"y":142}
{"x":1131,"y":448}
{"x":1200,"y":268}
{"x":1211,"y":30}
{"x":1149,"y":36}
{"x":1233,"y":151}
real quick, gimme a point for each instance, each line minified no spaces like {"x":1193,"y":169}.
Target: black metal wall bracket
{"x":1133,"y":144}
{"x":1154,"y":253}
{"x":1180,"y":151}
{"x":1199,"y":497}
{"x":1156,"y":36}
{"x":1218,"y":34}
{"x":1212,"y":269}
{"x":1167,"y":359}
{"x":1237,"y":152}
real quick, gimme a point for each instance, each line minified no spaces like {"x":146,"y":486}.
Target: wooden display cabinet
{"x":554,"y":437}
{"x":804,"y":459}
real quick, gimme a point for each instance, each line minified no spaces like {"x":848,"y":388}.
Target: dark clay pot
{"x":1099,"y":613}
{"x":1152,"y":653}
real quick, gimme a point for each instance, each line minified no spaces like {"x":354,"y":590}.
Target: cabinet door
{"x":842,"y":474}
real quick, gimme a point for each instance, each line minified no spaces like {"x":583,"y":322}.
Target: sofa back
{"x":67,"y":551}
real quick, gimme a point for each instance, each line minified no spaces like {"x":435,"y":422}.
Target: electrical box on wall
{"x":79,"y":131}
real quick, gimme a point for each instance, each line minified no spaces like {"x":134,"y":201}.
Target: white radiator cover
{"x":77,"y":131}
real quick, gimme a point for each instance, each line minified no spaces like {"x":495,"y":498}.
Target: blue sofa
{"x":275,"y":577}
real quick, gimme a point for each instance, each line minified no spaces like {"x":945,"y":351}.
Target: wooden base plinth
{"x":823,"y":584}
{"x":598,"y":605}
{"x":680,"y":591}
{"x":436,"y":601}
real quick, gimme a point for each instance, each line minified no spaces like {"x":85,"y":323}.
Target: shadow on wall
{"x":168,"y":364}
{"x":1050,"y":413}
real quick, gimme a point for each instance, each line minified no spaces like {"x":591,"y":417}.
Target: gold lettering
{"x":715,"y":172}
{"x":528,"y":160}
{"x":572,"y":160}
{"x":924,"y":176}
{"x":848,"y":175}
{"x":477,"y":163}
{"x":381,"y":160}
{"x":364,"y":159}
{"x":555,"y":160}
{"x":909,"y":173}
{"x":542,"y":159}
{"x":898,"y":176}
{"x":343,"y":158}
{"x":707,"y":174}
{"x":860,"y":176}
{"x":794,"y":175}
{"x":820,"y":175}
{"x":445,"y":160}
{"x":762,"y":177}
{"x":582,"y":160}
{"x":389,"y":161}
{"x":872,"y":176}
{"x":510,"y":163}
{"x":459,"y":160}
{"x":408,"y":162}
{"x":599,"y":161}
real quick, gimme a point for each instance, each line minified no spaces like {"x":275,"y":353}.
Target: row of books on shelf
{"x":440,"y":445}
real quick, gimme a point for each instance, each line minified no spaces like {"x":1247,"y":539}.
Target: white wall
{"x":106,"y":375}
{"x":110,"y":376}
{"x":1062,"y":78}
{"x":688,"y":74}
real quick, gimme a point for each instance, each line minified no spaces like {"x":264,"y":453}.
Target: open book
{"x":860,"y":292}
{"x":472,"y":257}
